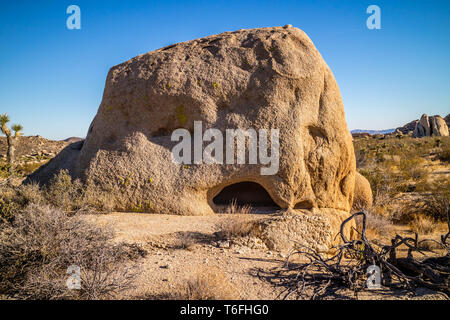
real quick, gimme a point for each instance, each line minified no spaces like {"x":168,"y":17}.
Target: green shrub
{"x":8,"y":209}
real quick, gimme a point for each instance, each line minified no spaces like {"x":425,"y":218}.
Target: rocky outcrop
{"x":31,"y":150}
{"x":430,"y":126}
{"x":408,"y":128}
{"x":426,"y":126}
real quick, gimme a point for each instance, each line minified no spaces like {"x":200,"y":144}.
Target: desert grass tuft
{"x":208,"y":283}
{"x":422,"y":225}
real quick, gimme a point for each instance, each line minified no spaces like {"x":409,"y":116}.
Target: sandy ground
{"x":179,"y":246}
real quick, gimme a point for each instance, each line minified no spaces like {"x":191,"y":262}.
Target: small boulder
{"x":293,"y":229}
{"x":363,"y":194}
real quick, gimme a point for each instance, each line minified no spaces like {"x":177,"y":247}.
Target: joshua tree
{"x":10,"y":139}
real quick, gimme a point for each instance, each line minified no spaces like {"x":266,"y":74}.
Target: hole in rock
{"x":245,"y":193}
{"x":306,"y":204}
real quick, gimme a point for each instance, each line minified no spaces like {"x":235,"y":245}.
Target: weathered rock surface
{"x":363,"y":199}
{"x":438,"y":126}
{"x":422,"y":128}
{"x":447,"y":120}
{"x":316,"y":229}
{"x":262,"y":79}
{"x":408,"y":128}
{"x":73,"y":139}
{"x":64,"y":160}
{"x":430,"y":126}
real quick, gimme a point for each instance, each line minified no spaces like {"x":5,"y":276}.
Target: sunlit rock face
{"x":268,"y":78}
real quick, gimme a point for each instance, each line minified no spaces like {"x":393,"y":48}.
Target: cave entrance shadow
{"x":246,"y":194}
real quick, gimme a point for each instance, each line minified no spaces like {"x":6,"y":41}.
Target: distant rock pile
{"x":426,"y":126}
{"x":430,"y":126}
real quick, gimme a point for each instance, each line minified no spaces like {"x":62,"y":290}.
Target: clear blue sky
{"x":52,"y":78}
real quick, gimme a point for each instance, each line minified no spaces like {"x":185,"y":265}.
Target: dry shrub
{"x":381,"y":179}
{"x":208,"y":283}
{"x":12,"y":200}
{"x":64,"y":193}
{"x":31,"y":194}
{"x":359,"y":204}
{"x":238,"y":224}
{"x":71,"y":195}
{"x":376,"y":225}
{"x":97,"y":199}
{"x":235,"y":226}
{"x":412,"y":168}
{"x":38,"y":246}
{"x":383,"y":182}
{"x":434,"y":204}
{"x":444,"y":153}
{"x":185,"y":240}
{"x":422,"y":225}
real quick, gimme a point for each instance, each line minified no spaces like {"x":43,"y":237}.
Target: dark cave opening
{"x":245,"y":193}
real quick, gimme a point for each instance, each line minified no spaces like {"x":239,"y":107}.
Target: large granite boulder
{"x":268,"y":78}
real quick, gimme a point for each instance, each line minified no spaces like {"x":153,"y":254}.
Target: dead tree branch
{"x":321,"y":276}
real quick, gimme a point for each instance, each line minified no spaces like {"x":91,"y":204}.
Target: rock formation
{"x":430,"y":126}
{"x":268,"y":78}
{"x":426,"y":126}
{"x":408,"y":128}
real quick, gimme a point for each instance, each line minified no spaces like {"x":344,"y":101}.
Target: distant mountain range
{"x":386,"y":131}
